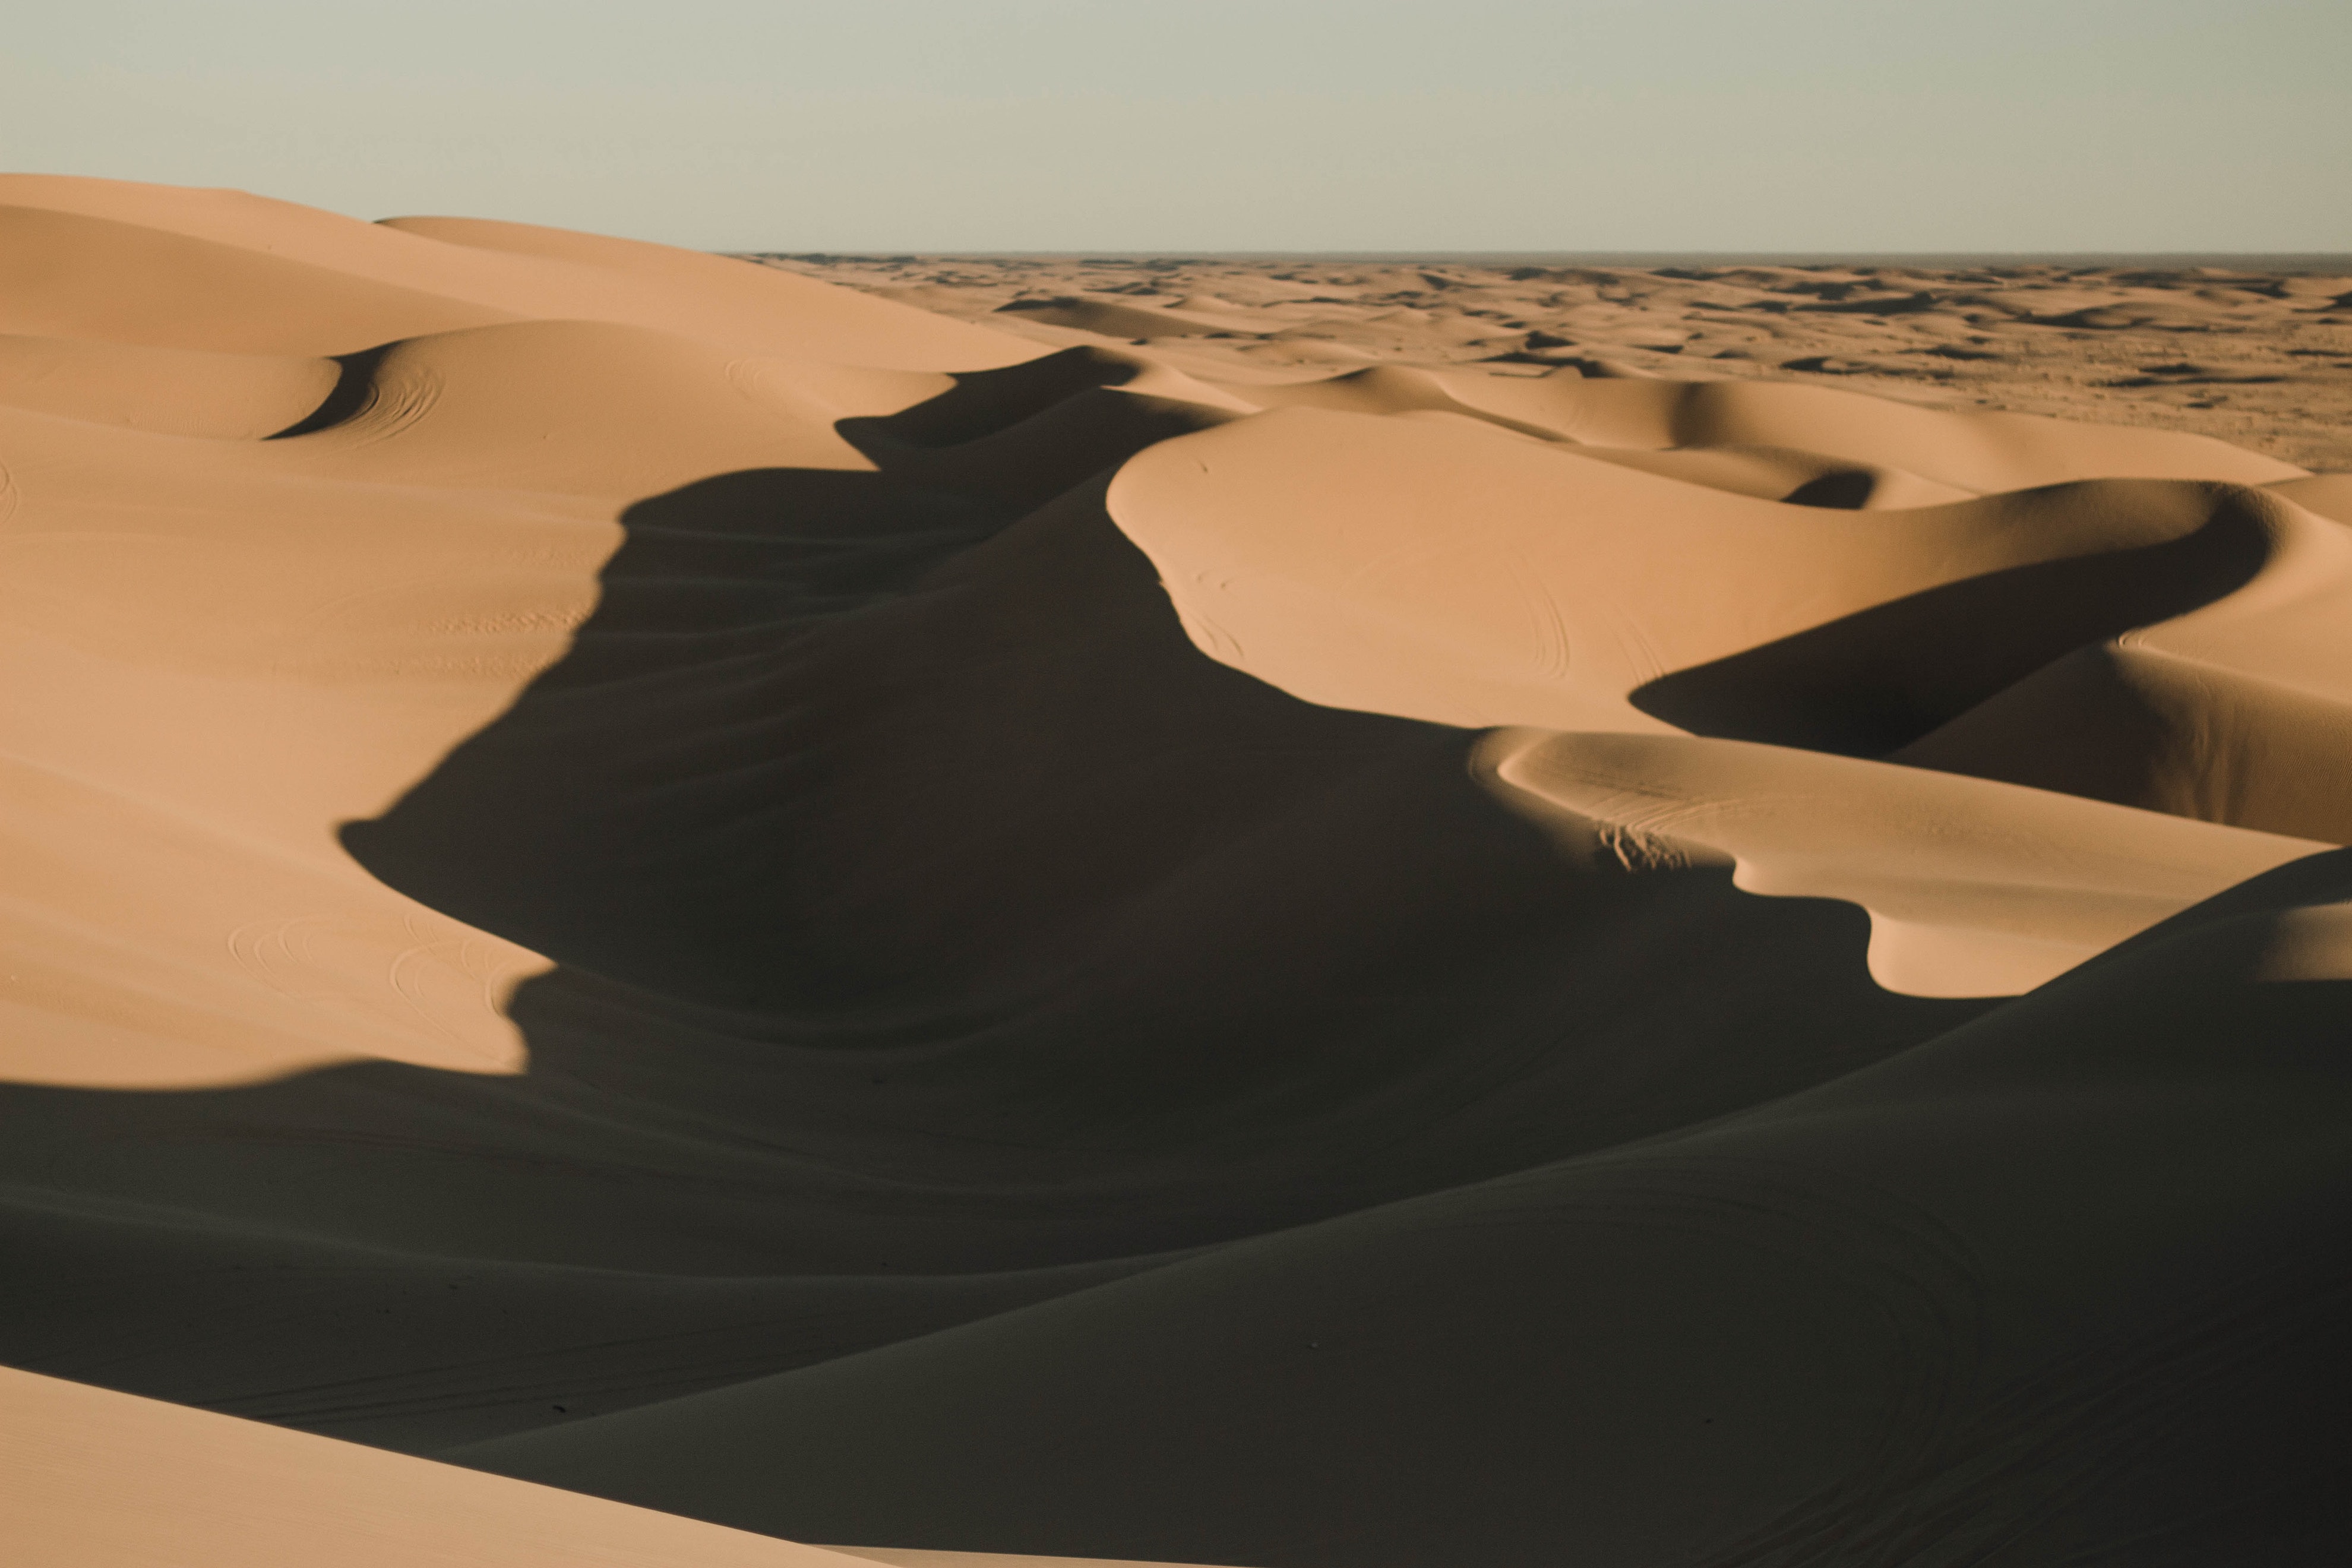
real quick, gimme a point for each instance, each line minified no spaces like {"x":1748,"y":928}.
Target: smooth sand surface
{"x":91,"y":1475}
{"x":1277,"y":915}
{"x":88,"y":1475}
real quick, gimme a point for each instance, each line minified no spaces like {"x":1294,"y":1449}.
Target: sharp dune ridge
{"x":1280,"y":915}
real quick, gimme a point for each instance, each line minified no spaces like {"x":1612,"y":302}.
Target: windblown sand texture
{"x":2257,"y":358}
{"x":1225,"y":927}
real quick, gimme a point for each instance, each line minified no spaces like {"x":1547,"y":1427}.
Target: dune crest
{"x":1128,"y":929}
{"x":1974,"y":889}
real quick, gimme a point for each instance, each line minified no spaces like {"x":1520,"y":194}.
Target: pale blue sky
{"x":1861,"y":125}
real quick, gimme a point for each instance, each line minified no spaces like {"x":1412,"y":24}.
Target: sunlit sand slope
{"x":100,"y":1480}
{"x":684,"y":883}
{"x":104,"y":1480}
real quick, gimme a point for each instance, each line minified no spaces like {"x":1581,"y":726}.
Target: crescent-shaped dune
{"x":641,"y":873}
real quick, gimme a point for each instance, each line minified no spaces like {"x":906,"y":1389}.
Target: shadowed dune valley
{"x":667,"y":907}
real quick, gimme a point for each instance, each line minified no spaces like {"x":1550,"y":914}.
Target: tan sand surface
{"x":88,"y":1475}
{"x":1281,"y":914}
{"x":2254,"y":356}
{"x":93,"y":1476}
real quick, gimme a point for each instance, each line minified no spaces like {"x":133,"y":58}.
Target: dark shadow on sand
{"x":926,"y":910}
{"x":1870,"y":683}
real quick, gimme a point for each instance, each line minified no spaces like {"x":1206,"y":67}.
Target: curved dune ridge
{"x":663,"y":879}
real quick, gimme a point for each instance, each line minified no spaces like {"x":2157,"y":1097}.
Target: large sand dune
{"x":1202,"y":926}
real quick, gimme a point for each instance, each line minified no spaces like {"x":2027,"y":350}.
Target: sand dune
{"x":1248,"y":916}
{"x":94,"y":1477}
{"x":1973,"y":888}
{"x":2254,"y":357}
{"x":1862,"y":1318}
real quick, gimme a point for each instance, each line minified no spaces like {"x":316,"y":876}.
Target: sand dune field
{"x":1283,"y":914}
{"x":2251,"y":353}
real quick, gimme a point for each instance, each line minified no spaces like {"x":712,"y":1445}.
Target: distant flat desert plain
{"x":669,"y":909}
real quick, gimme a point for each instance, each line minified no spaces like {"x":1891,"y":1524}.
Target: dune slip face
{"x":1255,"y":914}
